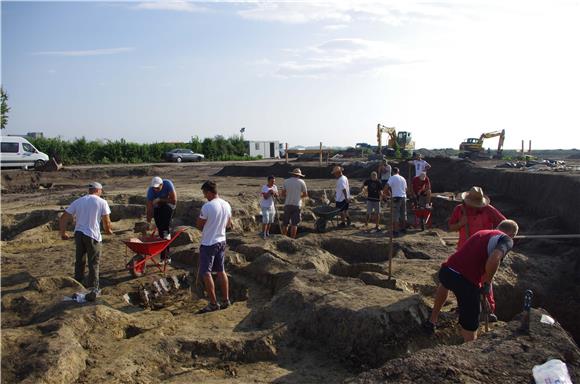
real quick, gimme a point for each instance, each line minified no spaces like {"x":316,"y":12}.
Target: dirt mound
{"x":503,"y":354}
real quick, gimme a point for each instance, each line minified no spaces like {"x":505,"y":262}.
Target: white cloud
{"x":89,"y":52}
{"x":295,"y":12}
{"x":171,"y":5}
{"x":346,"y":55}
{"x":335,"y":27}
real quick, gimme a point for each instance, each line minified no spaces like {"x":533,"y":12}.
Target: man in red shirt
{"x":469,"y":273}
{"x":473,"y":215}
{"x":422,"y":187}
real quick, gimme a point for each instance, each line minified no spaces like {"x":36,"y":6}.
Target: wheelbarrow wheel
{"x":320,"y":225}
{"x":136,"y":269}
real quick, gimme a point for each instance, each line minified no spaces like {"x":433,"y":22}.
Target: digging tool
{"x":525,"y":326}
{"x":486,"y":309}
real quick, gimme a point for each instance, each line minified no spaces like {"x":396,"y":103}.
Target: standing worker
{"x":88,"y":211}
{"x":398,"y":190}
{"x":421,"y":186}
{"x":374,"y":190}
{"x":342,"y":195}
{"x":269,"y":192}
{"x":474,"y":214}
{"x":214,"y":218}
{"x":469,"y":273}
{"x":384,"y":171}
{"x":161,"y":201}
{"x":294,"y":191}
{"x":420,"y":164}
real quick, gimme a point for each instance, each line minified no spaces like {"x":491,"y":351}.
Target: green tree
{"x":5,"y":107}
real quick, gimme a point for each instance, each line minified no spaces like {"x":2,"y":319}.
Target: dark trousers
{"x":162,"y":215}
{"x":87,"y":248}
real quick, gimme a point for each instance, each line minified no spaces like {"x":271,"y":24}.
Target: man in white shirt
{"x":398,"y":188}
{"x":269,"y":192}
{"x":294,"y":191}
{"x":342,"y":195}
{"x":214,"y":218}
{"x":420,"y":164}
{"x":88,"y":211}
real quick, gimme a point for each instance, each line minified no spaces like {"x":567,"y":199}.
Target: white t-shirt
{"x":88,"y":211}
{"x":420,"y":166}
{"x":217,"y":213}
{"x":269,"y":202}
{"x":294,"y":188}
{"x":341,"y":185}
{"x":398,"y":186}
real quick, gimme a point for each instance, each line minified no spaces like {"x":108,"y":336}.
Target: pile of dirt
{"x":505,"y":354}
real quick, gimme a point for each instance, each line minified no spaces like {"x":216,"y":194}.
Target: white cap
{"x":156,"y":182}
{"x":95,"y":185}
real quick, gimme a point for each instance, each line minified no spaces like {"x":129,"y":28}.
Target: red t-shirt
{"x":477,"y":219}
{"x":418,"y":184}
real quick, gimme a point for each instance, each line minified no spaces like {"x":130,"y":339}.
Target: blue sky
{"x":297,"y":72}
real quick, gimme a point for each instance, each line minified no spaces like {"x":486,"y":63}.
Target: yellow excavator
{"x":473,"y":147}
{"x":397,"y":140}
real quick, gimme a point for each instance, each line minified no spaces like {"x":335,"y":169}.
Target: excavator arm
{"x":391,"y":131}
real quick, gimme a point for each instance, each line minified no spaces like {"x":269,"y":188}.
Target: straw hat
{"x":475,"y":197}
{"x":297,"y":172}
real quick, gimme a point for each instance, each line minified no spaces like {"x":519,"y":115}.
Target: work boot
{"x":492,"y":317}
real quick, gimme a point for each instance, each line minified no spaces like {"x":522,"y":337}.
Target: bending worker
{"x":161,"y":201}
{"x":469,"y":273}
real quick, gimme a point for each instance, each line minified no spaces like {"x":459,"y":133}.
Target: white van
{"x":16,"y":151}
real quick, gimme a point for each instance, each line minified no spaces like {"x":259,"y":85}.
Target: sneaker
{"x":209,"y":308}
{"x":492,"y":317}
{"x":429,"y":326}
{"x":225,"y":304}
{"x":166,"y":236}
{"x":264,"y":236}
{"x":348,"y":222}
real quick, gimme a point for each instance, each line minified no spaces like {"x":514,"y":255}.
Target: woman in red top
{"x":475,"y":214}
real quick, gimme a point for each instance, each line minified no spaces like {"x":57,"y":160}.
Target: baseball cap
{"x":156,"y":182}
{"x":95,"y":185}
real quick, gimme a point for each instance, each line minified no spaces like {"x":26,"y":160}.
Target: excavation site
{"x":335,"y":305}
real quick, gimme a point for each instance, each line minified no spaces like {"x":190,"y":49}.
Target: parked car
{"x":16,"y":151}
{"x":179,"y":154}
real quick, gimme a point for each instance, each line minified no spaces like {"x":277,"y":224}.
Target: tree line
{"x":83,"y":151}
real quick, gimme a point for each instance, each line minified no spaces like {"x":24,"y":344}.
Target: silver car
{"x":180,"y":154}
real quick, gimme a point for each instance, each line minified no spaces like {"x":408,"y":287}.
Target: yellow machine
{"x":473,"y":147}
{"x":397,"y":140}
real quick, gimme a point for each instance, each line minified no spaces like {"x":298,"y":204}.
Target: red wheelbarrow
{"x":146,"y":250}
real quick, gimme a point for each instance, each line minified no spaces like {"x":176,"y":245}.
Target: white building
{"x":266,"y":149}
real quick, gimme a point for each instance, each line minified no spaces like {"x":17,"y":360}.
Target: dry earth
{"x":319,"y":309}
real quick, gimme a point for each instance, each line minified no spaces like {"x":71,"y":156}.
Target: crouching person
{"x":215,"y":217}
{"x":469,"y":273}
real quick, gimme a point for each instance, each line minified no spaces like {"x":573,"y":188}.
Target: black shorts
{"x":342,"y":205}
{"x":468,"y":297}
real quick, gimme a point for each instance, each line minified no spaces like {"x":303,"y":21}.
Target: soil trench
{"x":325,"y":307}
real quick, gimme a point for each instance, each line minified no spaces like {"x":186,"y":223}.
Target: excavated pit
{"x":322,"y":308}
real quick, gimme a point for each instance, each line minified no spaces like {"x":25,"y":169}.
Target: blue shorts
{"x":211,"y":258}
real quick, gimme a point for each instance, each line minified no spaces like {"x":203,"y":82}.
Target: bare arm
{"x":107,"y":224}
{"x":64,"y":219}
{"x":172,"y":198}
{"x":149,"y":211}
{"x":229,"y":225}
{"x":492,"y":265}
{"x":200,"y":223}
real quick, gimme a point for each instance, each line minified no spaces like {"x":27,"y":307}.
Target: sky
{"x":296,"y":72}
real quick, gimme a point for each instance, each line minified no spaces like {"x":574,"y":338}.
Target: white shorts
{"x":268,"y":215}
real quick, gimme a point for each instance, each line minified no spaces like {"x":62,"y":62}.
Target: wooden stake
{"x":390,"y":201}
{"x":570,"y":236}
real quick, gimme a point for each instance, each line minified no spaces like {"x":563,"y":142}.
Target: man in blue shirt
{"x":161,"y":201}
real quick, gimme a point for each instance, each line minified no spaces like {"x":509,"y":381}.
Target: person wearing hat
{"x":342,"y":195}
{"x":420,"y":164}
{"x":88,"y":211}
{"x":161,"y":201}
{"x":469,"y":274}
{"x":293,"y":192}
{"x":473,"y":215}
{"x":421,"y":186}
